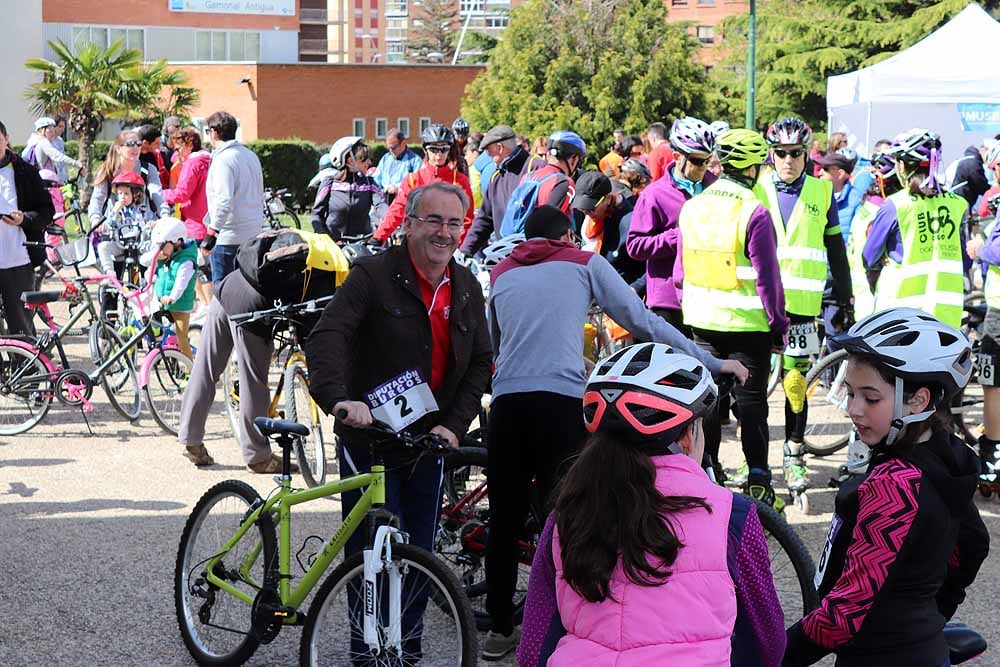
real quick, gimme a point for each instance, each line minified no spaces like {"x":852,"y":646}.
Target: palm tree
{"x":97,"y":83}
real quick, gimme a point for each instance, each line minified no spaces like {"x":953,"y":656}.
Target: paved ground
{"x":90,"y":524}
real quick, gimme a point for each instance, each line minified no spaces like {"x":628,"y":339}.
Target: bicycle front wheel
{"x":119,"y":379}
{"x":292,"y":219}
{"x":165,"y":385}
{"x":436,"y":621}
{"x":829,"y":428}
{"x":791,"y":565}
{"x":25,"y":390}
{"x":299,"y":407}
{"x":215,"y":625}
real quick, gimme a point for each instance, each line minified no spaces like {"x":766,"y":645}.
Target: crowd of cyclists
{"x":714,"y":249}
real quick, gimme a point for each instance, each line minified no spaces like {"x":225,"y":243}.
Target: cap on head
{"x":591,"y":188}
{"x":44,"y":122}
{"x":497,"y":133}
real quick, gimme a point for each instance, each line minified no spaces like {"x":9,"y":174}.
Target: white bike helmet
{"x":911,"y":345}
{"x":647,"y":392}
{"x":692,"y":136}
{"x":718,"y":127}
{"x":993,"y":156}
{"x":164,"y":229}
{"x":341,"y":149}
{"x":498,"y":251}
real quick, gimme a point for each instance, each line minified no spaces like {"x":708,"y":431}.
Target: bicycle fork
{"x":378,"y":559}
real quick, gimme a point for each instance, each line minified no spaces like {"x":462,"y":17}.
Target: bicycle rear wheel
{"x":829,"y":428}
{"x":216,"y":626}
{"x":25,"y":390}
{"x":437,"y":626}
{"x":791,"y":565}
{"x":292,"y":219}
{"x":165,"y":385}
{"x":119,"y":380}
{"x":310,"y":451}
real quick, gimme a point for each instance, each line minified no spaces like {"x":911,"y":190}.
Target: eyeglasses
{"x":395,"y":147}
{"x":133,"y":144}
{"x":437,"y":149}
{"x":453,"y":226}
{"x":635,"y":152}
{"x":697,"y":161}
{"x":795,"y":153}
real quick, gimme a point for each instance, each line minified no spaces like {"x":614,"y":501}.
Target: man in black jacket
{"x":969,"y":181}
{"x":25,"y":211}
{"x":405,"y":341}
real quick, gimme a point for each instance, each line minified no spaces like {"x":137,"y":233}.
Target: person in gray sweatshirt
{"x":539,"y":302}
{"x":235,"y":192}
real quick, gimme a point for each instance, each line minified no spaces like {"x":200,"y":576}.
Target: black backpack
{"x":274,"y":263}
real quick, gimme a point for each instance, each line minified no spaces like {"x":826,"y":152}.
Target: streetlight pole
{"x":752,"y":67}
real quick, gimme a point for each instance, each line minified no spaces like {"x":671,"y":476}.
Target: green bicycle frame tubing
{"x":374,"y":495}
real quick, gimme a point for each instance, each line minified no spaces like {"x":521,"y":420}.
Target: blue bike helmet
{"x":564,"y":143}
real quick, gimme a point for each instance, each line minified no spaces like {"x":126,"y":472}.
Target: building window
{"x":496,"y":21}
{"x":396,"y":52}
{"x":381,"y":127}
{"x":425,"y":122}
{"x":395,"y":7}
{"x":395,"y":28}
{"x":132,"y":38}
{"x":358,"y":127}
{"x":706,"y":34}
{"x":678,"y":3}
{"x":222,"y":45}
{"x":470,"y":6}
{"x":706,"y":3}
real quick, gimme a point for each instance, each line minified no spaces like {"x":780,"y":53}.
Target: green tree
{"x":590,"y":66}
{"x":98,"y":83}
{"x":802,"y":42}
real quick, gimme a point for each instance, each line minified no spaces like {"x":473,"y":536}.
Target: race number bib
{"x":824,"y":560}
{"x":402,"y":400}
{"x":130,"y":232}
{"x":803,"y":340}
{"x":985,"y":368}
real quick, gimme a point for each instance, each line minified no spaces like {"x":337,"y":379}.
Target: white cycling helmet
{"x":341,"y":149}
{"x":692,"y":136}
{"x":165,"y":229}
{"x":993,"y":156}
{"x":498,"y":251}
{"x":911,"y":345}
{"x":647,"y":391}
{"x":719,"y":126}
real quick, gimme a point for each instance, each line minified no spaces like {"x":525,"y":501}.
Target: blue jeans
{"x":223,"y":261}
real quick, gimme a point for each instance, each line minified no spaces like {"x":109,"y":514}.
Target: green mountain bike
{"x":392,"y":604}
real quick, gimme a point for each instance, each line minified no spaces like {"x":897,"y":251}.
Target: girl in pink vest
{"x":646,"y":561}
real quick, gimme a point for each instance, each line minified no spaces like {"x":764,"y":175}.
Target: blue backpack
{"x":522,"y":202}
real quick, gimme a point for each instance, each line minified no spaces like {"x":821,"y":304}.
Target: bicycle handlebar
{"x":429,"y":442}
{"x":282,"y":311}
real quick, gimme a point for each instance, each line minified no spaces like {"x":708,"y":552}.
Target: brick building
{"x":706,"y":17}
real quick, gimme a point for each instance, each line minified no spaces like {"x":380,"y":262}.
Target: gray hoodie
{"x":539,"y":300}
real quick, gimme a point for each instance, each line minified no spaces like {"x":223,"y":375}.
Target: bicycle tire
{"x":774,"y":377}
{"x":310,"y":451}
{"x":33,"y":396}
{"x":447,"y":597}
{"x":194,"y":631}
{"x":829,"y":428}
{"x":293,"y":216}
{"x":165,"y":386}
{"x":231,"y":395}
{"x":120,"y":381}
{"x":797,"y":595}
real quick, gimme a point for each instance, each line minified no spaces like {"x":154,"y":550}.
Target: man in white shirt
{"x":235,"y":191}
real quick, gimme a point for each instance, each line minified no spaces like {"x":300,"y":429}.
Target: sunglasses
{"x":794,"y":153}
{"x":437,"y":149}
{"x":697,"y":161}
{"x":133,"y":144}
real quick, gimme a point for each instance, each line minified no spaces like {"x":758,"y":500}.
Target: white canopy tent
{"x":948,"y":83}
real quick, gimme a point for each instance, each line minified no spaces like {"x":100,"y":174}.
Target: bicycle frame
{"x":286,"y":498}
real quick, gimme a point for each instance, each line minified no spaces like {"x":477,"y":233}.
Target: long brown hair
{"x":609,"y":507}
{"x":113,"y":163}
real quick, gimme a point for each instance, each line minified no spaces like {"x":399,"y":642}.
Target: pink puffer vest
{"x":686,"y":621}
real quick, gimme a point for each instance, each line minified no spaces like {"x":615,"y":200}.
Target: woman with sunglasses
{"x":123,"y":156}
{"x":439,"y":144}
{"x":810,"y":244}
{"x":348,"y":200}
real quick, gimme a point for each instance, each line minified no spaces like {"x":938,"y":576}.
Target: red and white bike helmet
{"x":647,"y":391}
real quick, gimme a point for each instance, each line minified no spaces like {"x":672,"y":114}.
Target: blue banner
{"x":978,"y":117}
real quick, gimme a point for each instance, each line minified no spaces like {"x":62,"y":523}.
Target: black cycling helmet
{"x":564,"y":143}
{"x":437,"y":134}
{"x":460,"y":127}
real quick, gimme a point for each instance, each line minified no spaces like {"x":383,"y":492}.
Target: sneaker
{"x":271,"y":466}
{"x":759,"y":488}
{"x":198,"y":455}
{"x":740,"y":475}
{"x":796,"y":473}
{"x":794,"y":384}
{"x":497,"y":645}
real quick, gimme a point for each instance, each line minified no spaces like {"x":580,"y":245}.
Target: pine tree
{"x":802,"y":42}
{"x":589,"y":66}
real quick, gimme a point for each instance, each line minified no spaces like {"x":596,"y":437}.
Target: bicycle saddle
{"x":269,"y":427}
{"x":964,"y":643}
{"x":38,"y":298}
